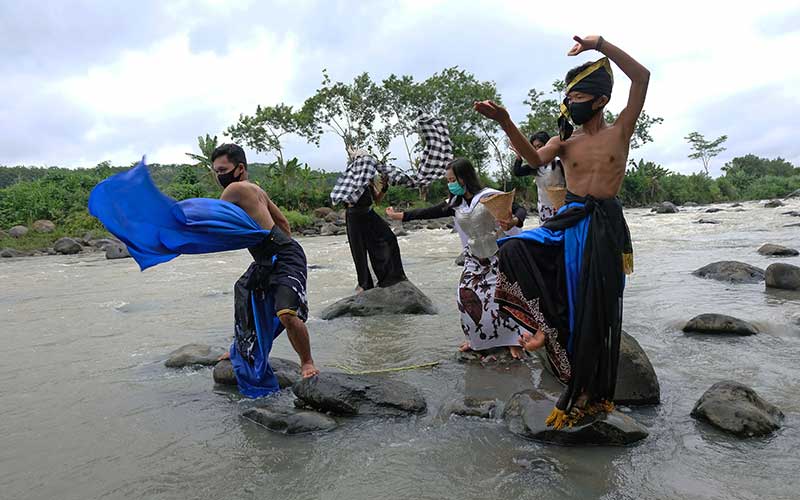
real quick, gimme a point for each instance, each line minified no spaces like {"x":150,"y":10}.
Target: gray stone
{"x":461,"y":259}
{"x":777,"y":250}
{"x":328,"y":230}
{"x":332,"y":217}
{"x":401,"y":298}
{"x":470,"y":408}
{"x":8,"y":253}
{"x":43,"y":226}
{"x":194,"y":355}
{"x":117,"y":251}
{"x":737,"y":409}
{"x":526,"y":412}
{"x":289,"y":420}
{"x":708,"y":221}
{"x":666,"y":208}
{"x":730,"y":270}
{"x":637,"y":382}
{"x":792,"y":213}
{"x":322,"y":212}
{"x":773,"y":204}
{"x":18,"y":231}
{"x":783,"y":276}
{"x":288,"y":372}
{"x":102,"y":243}
{"x":714,"y":210}
{"x":719,"y":323}
{"x":352,"y":395}
{"x":67,"y":246}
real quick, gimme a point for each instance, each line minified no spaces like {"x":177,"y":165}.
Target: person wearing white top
{"x":547,"y":176}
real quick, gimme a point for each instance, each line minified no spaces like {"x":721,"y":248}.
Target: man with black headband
{"x":279,"y":267}
{"x":564,"y":280}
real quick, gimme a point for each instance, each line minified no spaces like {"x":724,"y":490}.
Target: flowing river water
{"x":89,"y":410}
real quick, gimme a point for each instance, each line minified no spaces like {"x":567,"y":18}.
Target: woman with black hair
{"x":480,"y":317}
{"x":547,"y":177}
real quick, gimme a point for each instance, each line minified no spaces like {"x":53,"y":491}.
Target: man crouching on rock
{"x":277,"y":276}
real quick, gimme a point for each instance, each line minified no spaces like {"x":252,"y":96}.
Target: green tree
{"x":703,"y":149}
{"x":401,"y":102}
{"x":266,"y":128}
{"x":207,"y":145}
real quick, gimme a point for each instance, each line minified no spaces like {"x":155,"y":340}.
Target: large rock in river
{"x":526,"y":412}
{"x":402,"y":298}
{"x":731,"y":270}
{"x":777,"y":251}
{"x":637,"y":382}
{"x":737,"y":409}
{"x":67,"y":246}
{"x":8,"y":253}
{"x":290,"y":420}
{"x":117,"y":251}
{"x":194,"y":355}
{"x":719,"y":323}
{"x":352,"y":395}
{"x":288,"y":372}
{"x":665,"y":208}
{"x":773,"y":204}
{"x":783,"y":276}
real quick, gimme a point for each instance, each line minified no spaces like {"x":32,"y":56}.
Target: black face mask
{"x":582,"y":112}
{"x":228,"y":178}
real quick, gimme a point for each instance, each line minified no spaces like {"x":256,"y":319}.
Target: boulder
{"x":67,"y":246}
{"x":730,"y":270}
{"x":322,"y":212}
{"x":773,"y":204}
{"x":637,"y":382}
{"x":461,"y":259}
{"x":288,"y":372}
{"x":289,"y":420}
{"x":102,"y":243}
{"x":470,"y":407}
{"x":352,"y":395}
{"x":7,"y":253}
{"x":194,"y":355}
{"x":328,"y":229}
{"x":665,"y":208}
{"x":777,"y":250}
{"x":401,"y":298}
{"x":737,"y":409}
{"x":331,"y":217}
{"x":719,"y":323}
{"x":526,"y":412}
{"x":43,"y":226}
{"x":310,"y":232}
{"x":708,"y":221}
{"x":783,"y":276}
{"x":714,"y":210}
{"x":18,"y":231}
{"x":117,"y":251}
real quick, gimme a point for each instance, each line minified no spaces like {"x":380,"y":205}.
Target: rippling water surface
{"x":89,"y":411}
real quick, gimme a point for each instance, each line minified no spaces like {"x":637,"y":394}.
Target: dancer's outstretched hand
{"x":584,"y":44}
{"x":393,"y":214}
{"x":491,"y":110}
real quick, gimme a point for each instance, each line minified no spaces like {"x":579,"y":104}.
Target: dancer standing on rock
{"x":481,"y":321}
{"x":565,"y":280}
{"x":371,"y":240}
{"x":548,"y":178}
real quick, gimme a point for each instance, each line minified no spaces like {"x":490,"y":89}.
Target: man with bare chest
{"x":565,"y":280}
{"x":278,"y":272}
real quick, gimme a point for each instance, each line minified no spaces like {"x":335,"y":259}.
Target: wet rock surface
{"x":738,"y":410}
{"x":732,"y":271}
{"x":401,"y":298}
{"x":526,"y":412}
{"x":719,"y":324}
{"x":351,"y":395}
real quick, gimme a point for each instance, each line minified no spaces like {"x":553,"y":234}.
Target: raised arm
{"x":494,"y":111}
{"x":639,"y":75}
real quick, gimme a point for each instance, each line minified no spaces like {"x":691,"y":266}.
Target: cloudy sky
{"x":87,"y":81}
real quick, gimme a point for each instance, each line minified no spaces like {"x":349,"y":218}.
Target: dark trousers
{"x":370,"y":237}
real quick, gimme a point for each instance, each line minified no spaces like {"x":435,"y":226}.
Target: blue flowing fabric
{"x":574,"y":241}
{"x":156,"y":229}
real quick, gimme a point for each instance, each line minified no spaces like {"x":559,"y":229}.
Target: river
{"x":89,"y":410}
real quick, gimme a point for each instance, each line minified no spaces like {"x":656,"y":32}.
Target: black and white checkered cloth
{"x":436,"y":154}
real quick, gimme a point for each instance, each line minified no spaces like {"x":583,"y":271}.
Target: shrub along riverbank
{"x":28,"y":194}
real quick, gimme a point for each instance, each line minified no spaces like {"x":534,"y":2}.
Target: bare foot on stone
{"x":465,"y":347}
{"x":532,"y":342}
{"x":308,"y":370}
{"x":516,"y":352}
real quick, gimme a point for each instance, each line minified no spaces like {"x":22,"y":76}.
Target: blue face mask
{"x":456,"y":188}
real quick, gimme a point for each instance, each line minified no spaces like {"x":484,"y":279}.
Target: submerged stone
{"x":526,"y":412}
{"x":352,"y":395}
{"x":289,"y":420}
{"x":732,"y":271}
{"x":194,"y":355}
{"x":737,"y":409}
{"x":401,"y":298}
{"x":719,"y":323}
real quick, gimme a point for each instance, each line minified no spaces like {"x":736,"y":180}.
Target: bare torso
{"x":594,"y":164}
{"x":253,"y":200}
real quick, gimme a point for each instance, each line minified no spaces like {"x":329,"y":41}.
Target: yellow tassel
{"x":557,"y":419}
{"x":627,"y":263}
